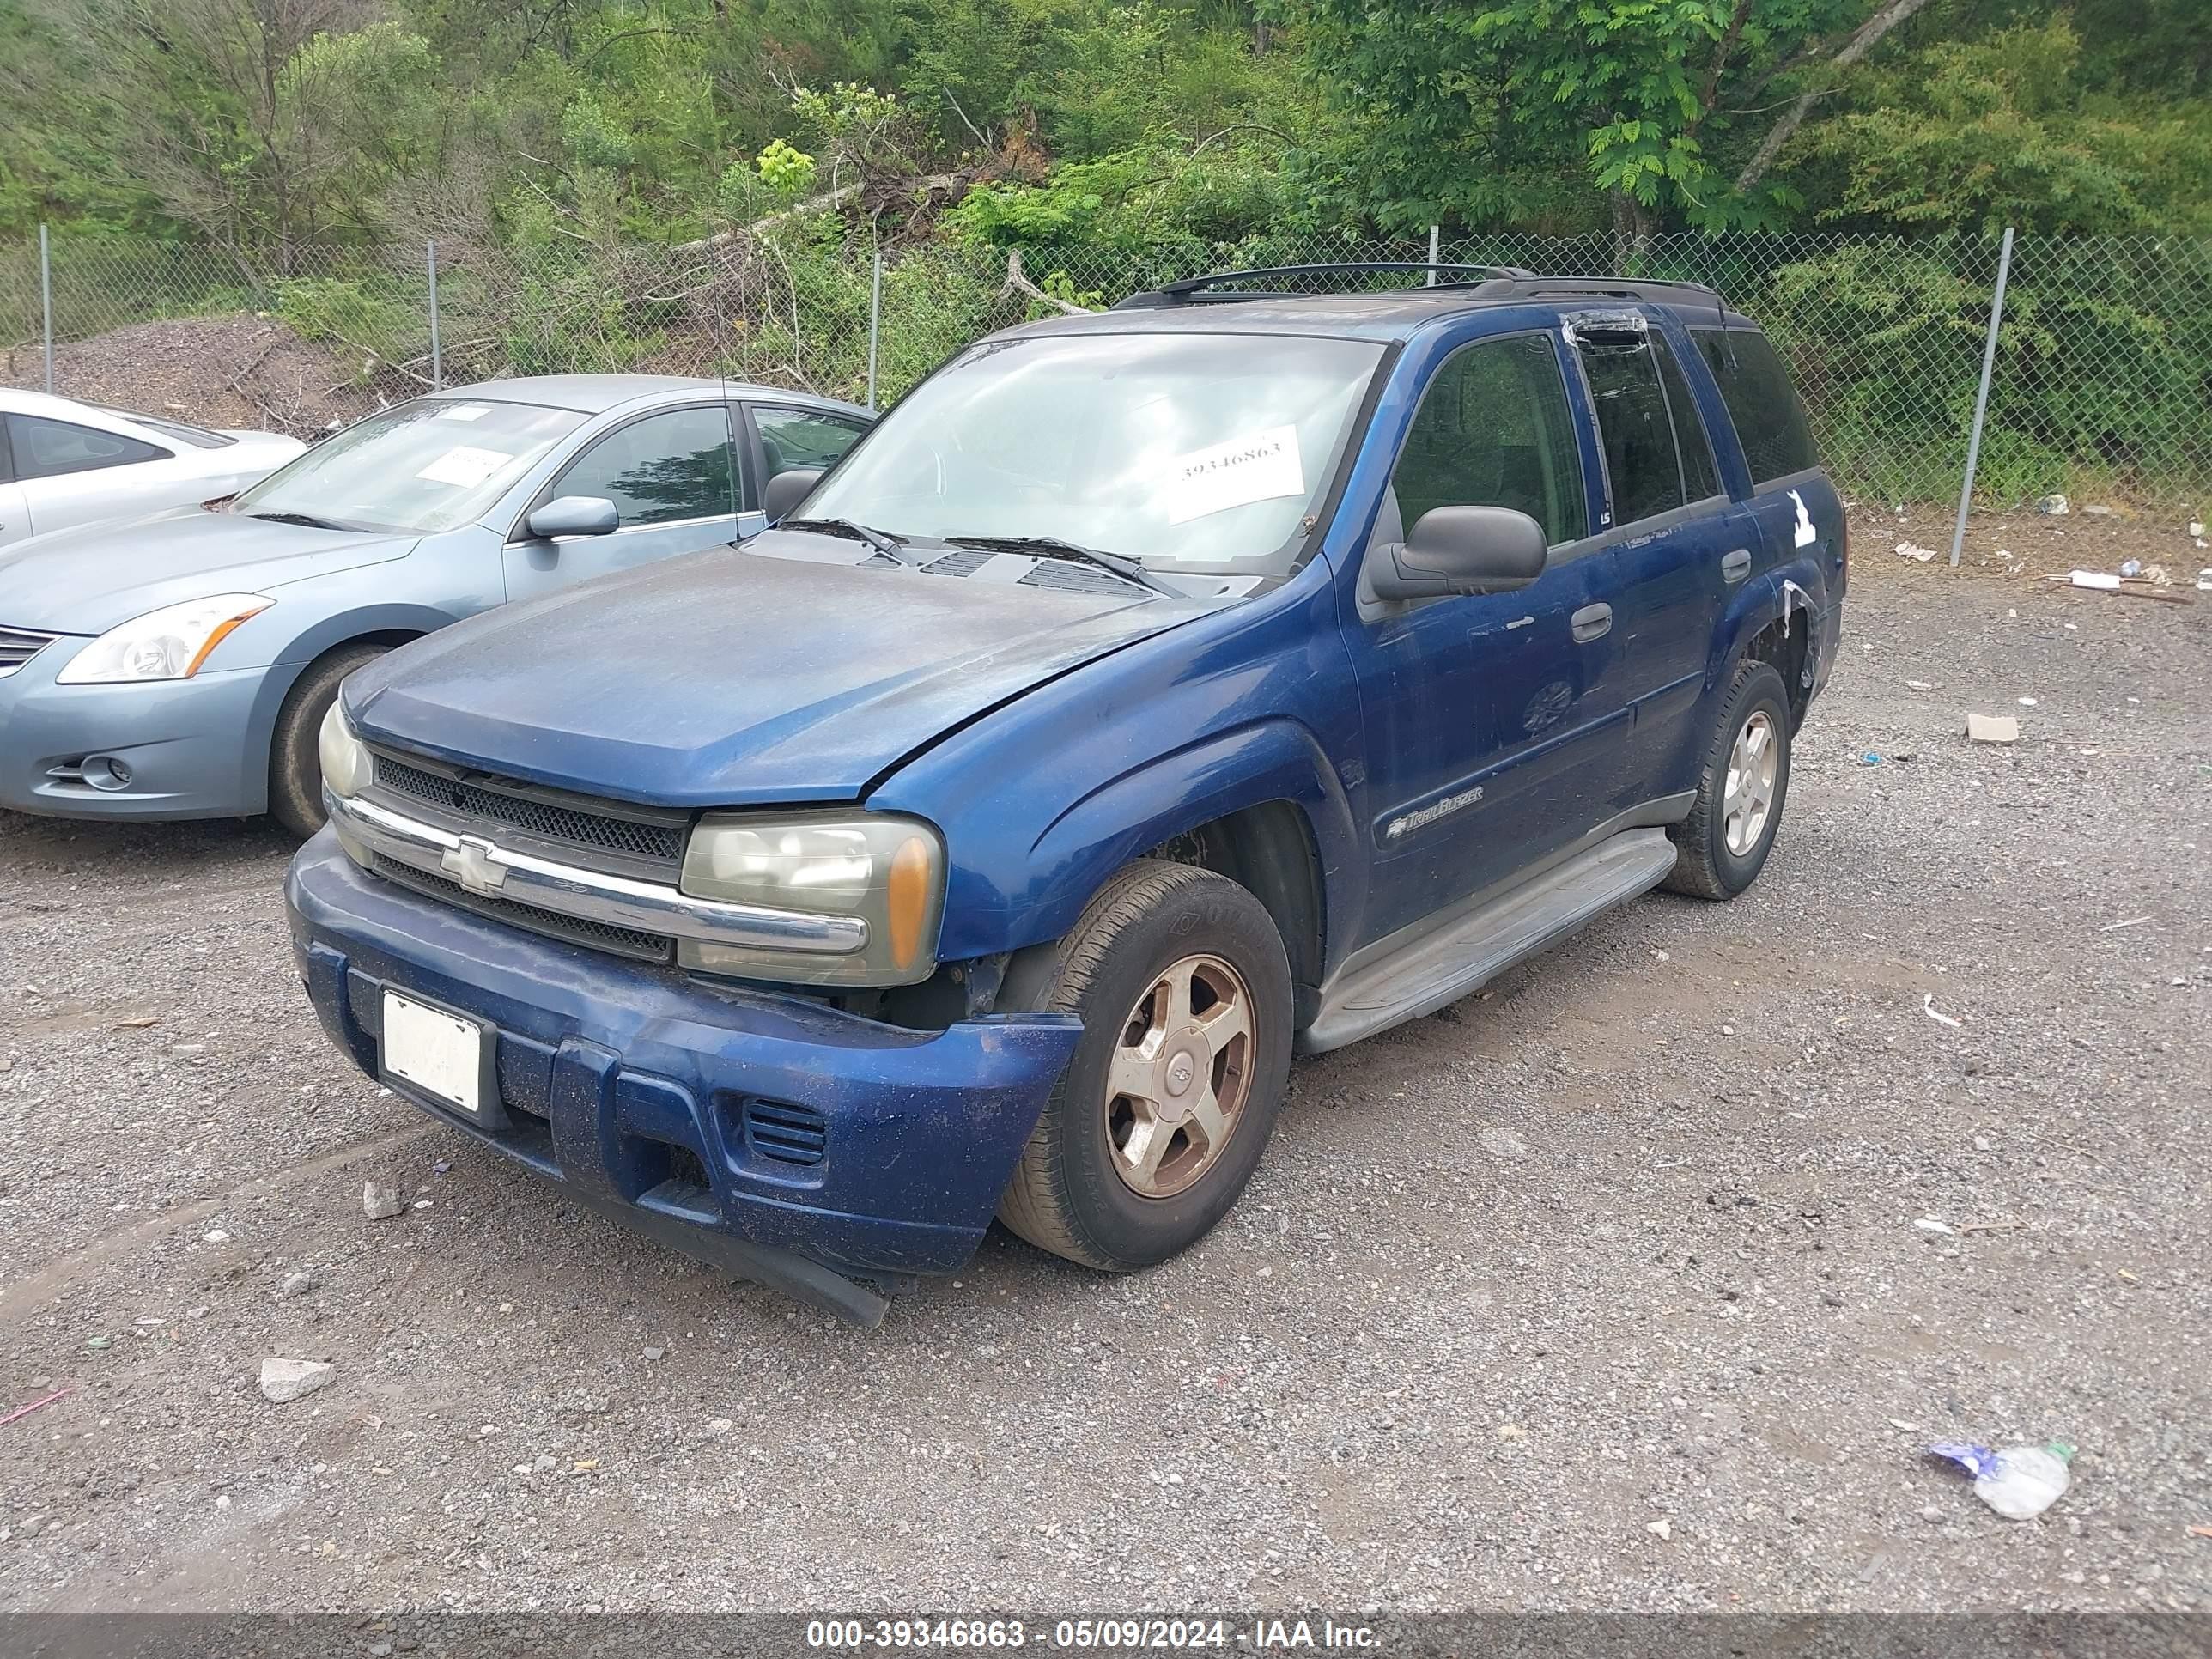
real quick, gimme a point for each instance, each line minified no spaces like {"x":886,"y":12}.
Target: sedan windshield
{"x":1193,"y":452}
{"x":432,"y":465}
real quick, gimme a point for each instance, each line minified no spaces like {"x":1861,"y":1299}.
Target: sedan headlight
{"x":344,"y":756}
{"x":889,"y":872}
{"x":168,"y":644}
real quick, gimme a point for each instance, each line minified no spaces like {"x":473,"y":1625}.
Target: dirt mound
{"x":238,"y":370}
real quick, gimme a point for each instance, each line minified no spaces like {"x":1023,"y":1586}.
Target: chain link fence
{"x":2102,"y":387}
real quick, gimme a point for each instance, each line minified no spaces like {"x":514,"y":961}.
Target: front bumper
{"x":633,"y":1084}
{"x":185,"y":742}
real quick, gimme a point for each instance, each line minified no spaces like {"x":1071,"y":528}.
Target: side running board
{"x":1457,"y":958}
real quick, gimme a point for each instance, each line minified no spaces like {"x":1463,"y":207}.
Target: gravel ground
{"x":1641,"y":1234}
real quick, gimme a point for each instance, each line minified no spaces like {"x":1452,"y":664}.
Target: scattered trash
{"x":284,"y":1381}
{"x":1993,"y":728}
{"x":2003,"y":1224}
{"x":440,"y":1167}
{"x":2019,"y":1482}
{"x":1869,"y":758}
{"x":584,"y":1465}
{"x":2027,"y":702}
{"x":2052,"y":507}
{"x":380,"y":1202}
{"x":2200,"y":1532}
{"x":36,"y":1405}
{"x":2204,"y":581}
{"x":139,"y":1024}
{"x":1918,"y":685}
{"x":215,"y":1236}
{"x":1662,"y":1529}
{"x":2132,"y":921}
{"x":2140,"y":587}
{"x":2195,"y":528}
{"x":2157,"y":575}
{"x":1904,"y":1427}
{"x":2102,"y":512}
{"x":2102,"y":581}
{"x":1928,"y":1007}
{"x":1929,"y":1224}
{"x":1914,"y":552}
{"x":2132,"y":568}
{"x":655,"y":1353}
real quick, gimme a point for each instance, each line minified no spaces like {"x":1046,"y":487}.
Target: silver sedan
{"x":180,"y":665}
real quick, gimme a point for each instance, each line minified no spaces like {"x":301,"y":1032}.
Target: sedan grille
{"x":19,"y":645}
{"x":648,"y":844}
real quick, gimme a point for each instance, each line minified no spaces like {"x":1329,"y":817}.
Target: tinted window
{"x":660,"y":469}
{"x":45,"y":449}
{"x":1699,"y":480}
{"x":1493,"y":430}
{"x":792,"y":438}
{"x":1640,"y":462}
{"x":1755,"y":386}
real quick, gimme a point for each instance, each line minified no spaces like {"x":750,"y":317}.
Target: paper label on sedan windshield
{"x":465,"y":412}
{"x":1258,"y":467}
{"x":465,"y":467}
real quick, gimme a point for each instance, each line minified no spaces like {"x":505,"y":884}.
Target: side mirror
{"x":574,"y":515}
{"x":787,"y":489}
{"x":1460,"y":549}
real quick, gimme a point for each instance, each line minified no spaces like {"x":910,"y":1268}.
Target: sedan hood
{"x":727,"y":679}
{"x":88,"y":580}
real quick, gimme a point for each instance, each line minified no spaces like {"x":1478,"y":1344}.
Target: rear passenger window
{"x":1699,"y":480}
{"x":1493,"y":430}
{"x":1755,"y":386}
{"x":1640,"y":461}
{"x":47,"y":449}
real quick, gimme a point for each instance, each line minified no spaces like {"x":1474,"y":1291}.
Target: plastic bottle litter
{"x":2052,"y":507}
{"x":2019,"y":1482}
{"x":2132,"y":568}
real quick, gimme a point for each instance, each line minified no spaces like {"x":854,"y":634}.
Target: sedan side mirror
{"x":787,"y":489}
{"x":574,"y":515}
{"x":1460,"y":549}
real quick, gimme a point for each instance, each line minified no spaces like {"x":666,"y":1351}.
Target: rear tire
{"x":1184,"y":990}
{"x":1721,"y":848}
{"x":295,"y":762}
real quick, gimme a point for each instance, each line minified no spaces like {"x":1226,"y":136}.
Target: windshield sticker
{"x":1257,"y":468}
{"x":465,"y":412}
{"x":463,"y":467}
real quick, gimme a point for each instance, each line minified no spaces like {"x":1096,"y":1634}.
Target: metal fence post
{"x":1432,"y":256}
{"x":437,"y":363}
{"x":47,"y":302}
{"x":1981,"y":397}
{"x":875,"y":321}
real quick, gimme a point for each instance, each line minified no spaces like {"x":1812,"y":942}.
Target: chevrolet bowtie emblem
{"x":471,"y":865}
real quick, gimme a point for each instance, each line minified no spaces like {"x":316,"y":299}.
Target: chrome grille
{"x":621,"y":941}
{"x":19,"y":645}
{"x":481,"y":803}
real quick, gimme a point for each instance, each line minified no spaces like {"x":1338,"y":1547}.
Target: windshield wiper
{"x":307,"y":519}
{"x":883,"y":541}
{"x":1052,"y":547}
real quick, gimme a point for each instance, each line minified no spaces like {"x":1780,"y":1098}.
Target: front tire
{"x":1721,"y":848}
{"x":295,"y":763}
{"x":1183,"y":987}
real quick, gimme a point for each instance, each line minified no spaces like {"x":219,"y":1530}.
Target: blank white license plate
{"x":435,"y":1050}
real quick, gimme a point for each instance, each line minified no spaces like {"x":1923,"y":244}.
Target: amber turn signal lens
{"x":909,"y":897}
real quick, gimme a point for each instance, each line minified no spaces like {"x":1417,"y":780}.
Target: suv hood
{"x":87,"y":580}
{"x":727,"y":679}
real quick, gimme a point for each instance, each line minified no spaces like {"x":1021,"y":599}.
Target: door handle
{"x":1592,"y":622}
{"x":1735,"y":566}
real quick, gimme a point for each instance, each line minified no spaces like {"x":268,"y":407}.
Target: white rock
{"x":296,"y":1284}
{"x":215,"y":1236}
{"x":380,"y":1202}
{"x":286,"y":1380}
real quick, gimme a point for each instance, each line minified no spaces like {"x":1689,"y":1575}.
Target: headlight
{"x":890,"y":872}
{"x":168,"y":644}
{"x":344,"y":756}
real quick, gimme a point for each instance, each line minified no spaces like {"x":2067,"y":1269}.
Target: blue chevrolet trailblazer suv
{"x":1152,"y":695}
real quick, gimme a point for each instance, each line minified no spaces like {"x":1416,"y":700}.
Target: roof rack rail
{"x":1199,"y":289}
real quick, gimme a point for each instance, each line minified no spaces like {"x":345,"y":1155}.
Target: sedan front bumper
{"x":162,"y":749}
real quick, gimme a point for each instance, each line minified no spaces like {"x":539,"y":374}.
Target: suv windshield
{"x":430,"y":466}
{"x":1195,"y":452}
